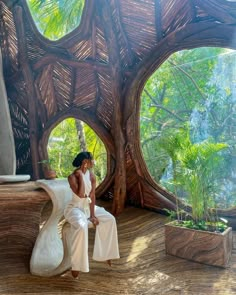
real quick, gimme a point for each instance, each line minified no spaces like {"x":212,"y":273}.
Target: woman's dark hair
{"x":80,"y":157}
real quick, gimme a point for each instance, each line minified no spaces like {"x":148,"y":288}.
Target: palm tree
{"x":199,"y":175}
{"x":172,"y":145}
{"x":196,"y":168}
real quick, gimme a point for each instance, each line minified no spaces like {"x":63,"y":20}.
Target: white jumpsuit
{"x":77,"y":213}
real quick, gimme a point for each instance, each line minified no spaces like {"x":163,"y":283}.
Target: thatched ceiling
{"x":96,"y":74}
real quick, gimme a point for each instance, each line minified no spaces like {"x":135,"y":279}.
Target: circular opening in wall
{"x":55,"y":19}
{"x":187,"y":124}
{"x":67,"y":139}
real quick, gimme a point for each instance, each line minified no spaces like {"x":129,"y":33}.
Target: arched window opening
{"x":187,"y":123}
{"x":55,"y":19}
{"x":69,"y":138}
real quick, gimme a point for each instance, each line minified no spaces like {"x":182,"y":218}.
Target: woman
{"x":81,"y":210}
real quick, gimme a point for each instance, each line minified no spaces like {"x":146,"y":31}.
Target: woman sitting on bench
{"x":80,"y":211}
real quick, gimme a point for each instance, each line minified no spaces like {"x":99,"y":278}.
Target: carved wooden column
{"x":29,"y":84}
{"x":117,"y":132}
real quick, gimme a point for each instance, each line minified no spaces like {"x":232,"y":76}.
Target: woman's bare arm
{"x":93,"y":199}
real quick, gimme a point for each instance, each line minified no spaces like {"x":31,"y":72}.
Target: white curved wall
{"x":7,"y":145}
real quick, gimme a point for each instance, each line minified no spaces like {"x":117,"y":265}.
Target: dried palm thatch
{"x":96,"y":74}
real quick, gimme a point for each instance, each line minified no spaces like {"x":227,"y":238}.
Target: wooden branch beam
{"x":220,"y":10}
{"x":141,"y":194}
{"x":130,"y":55}
{"x":72,"y":87}
{"x":82,"y":32}
{"x":51,"y":58}
{"x":88,"y":118}
{"x":158,"y":20}
{"x":109,"y":179}
{"x":114,"y":58}
{"x":190,"y":36}
{"x":29,"y":82}
{"x":94,"y":53}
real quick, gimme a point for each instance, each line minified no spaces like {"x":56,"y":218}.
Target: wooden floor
{"x":143,"y":268}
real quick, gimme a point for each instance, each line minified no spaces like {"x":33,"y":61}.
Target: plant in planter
{"x":198,"y":234}
{"x":48,"y":172}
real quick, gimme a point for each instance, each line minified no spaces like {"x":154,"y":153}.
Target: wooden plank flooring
{"x":144,"y":268}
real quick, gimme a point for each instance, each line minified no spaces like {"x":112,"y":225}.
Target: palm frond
{"x":56,"y":18}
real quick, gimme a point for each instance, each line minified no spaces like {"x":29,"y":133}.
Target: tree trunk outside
{"x":81,"y":135}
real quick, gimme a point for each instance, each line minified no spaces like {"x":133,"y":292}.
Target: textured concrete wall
{"x":7,"y":145}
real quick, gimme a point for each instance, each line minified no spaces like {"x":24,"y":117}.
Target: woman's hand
{"x":94,"y":220}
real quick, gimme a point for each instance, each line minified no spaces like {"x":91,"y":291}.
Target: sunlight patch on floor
{"x":140,"y":244}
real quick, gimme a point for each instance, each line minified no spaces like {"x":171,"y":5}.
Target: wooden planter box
{"x":199,"y":246}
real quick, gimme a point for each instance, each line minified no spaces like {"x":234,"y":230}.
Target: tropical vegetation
{"x":54,"y":19}
{"x":193,"y":93}
{"x":65,"y":143}
{"x":196,"y":170}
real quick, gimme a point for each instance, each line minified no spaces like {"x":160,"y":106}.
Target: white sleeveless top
{"x":87,"y":183}
{"x":83,"y":203}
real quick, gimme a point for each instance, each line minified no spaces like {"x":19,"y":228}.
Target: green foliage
{"x":171,"y":214}
{"x":56,"y":18}
{"x":64,"y":145}
{"x":200,"y":166}
{"x":192,"y":88}
{"x":195,"y":167}
{"x":97,"y":148}
{"x":218,"y":226}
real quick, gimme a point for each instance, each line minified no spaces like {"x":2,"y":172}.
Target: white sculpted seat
{"x":51,"y":254}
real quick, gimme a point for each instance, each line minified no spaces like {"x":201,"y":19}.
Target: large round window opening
{"x":69,"y":138}
{"x":188,"y":124}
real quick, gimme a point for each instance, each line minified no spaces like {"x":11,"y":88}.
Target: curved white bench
{"x":51,"y":254}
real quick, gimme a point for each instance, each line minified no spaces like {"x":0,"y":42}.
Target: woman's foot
{"x":75,"y":274}
{"x":109,"y":262}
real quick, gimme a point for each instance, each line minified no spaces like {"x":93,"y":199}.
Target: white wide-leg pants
{"x":106,"y":241}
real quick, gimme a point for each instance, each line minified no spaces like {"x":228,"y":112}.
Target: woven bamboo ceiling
{"x":97,"y":73}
